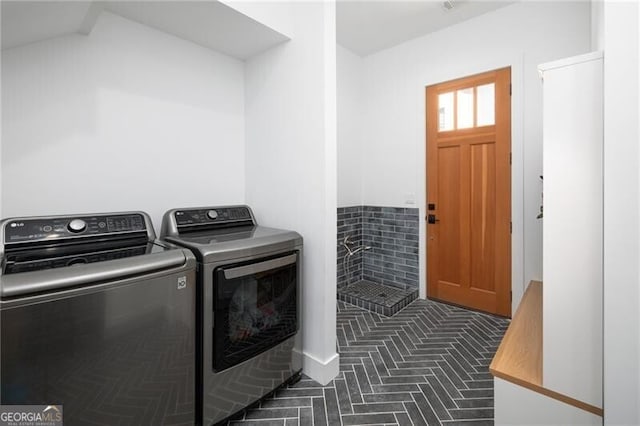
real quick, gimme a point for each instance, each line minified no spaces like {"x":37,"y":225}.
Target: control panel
{"x":224,"y":216}
{"x":57,"y":228}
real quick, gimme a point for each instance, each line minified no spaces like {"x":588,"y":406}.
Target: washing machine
{"x":248,"y":305}
{"x":98,"y":319}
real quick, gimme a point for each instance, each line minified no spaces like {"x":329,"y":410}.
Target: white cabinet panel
{"x":517,"y":405}
{"x":573,"y":229}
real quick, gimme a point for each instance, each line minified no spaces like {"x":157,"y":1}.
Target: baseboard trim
{"x":322,"y":372}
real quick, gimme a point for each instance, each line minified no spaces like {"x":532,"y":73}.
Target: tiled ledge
{"x":378,"y":298}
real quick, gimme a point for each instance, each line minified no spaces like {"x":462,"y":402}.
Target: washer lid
{"x":238,"y":242}
{"x":28,"y":276}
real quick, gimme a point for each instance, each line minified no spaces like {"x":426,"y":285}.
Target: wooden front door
{"x":469,"y":191}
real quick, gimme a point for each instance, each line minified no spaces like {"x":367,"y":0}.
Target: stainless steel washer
{"x":248,"y":305}
{"x":99,"y":317}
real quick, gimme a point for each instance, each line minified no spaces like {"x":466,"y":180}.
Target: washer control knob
{"x":212,"y":214}
{"x":77,"y":225}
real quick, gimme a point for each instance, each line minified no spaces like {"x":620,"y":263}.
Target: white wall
{"x":125,"y":118}
{"x":1,"y":125}
{"x":597,"y":25}
{"x":291,"y":161}
{"x":349,"y":75}
{"x":522,"y":36}
{"x":621,"y":214}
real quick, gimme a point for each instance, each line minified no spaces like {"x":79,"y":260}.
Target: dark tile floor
{"x":427,"y":365}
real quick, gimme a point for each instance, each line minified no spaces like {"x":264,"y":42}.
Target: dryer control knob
{"x":212,"y":214}
{"x":77,"y":225}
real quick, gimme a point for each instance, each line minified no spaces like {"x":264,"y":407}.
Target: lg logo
{"x":16,"y":224}
{"x":182,"y":283}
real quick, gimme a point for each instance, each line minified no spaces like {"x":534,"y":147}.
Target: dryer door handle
{"x":255,"y":268}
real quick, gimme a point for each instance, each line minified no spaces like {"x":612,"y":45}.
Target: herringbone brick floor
{"x":427,"y":365}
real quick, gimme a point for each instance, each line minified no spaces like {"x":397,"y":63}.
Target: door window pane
{"x":445,"y":111}
{"x":465,"y":108}
{"x":486,"y":105}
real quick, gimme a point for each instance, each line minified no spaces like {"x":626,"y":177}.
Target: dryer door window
{"x":255,"y":308}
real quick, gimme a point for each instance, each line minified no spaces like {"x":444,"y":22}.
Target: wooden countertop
{"x":519,"y":356}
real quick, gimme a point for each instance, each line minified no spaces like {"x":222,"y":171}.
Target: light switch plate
{"x":409,"y":199}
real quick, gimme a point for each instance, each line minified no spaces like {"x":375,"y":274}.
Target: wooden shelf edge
{"x":519,"y":357}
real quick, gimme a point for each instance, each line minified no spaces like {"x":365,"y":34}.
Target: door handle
{"x":432,"y":219}
{"x":255,"y":268}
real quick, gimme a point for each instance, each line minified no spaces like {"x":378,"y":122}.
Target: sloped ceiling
{"x":363,"y":26}
{"x":25,"y":22}
{"x":366,"y":26}
{"x":210,"y":24}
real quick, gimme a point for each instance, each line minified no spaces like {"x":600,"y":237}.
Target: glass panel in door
{"x":253,"y":311}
